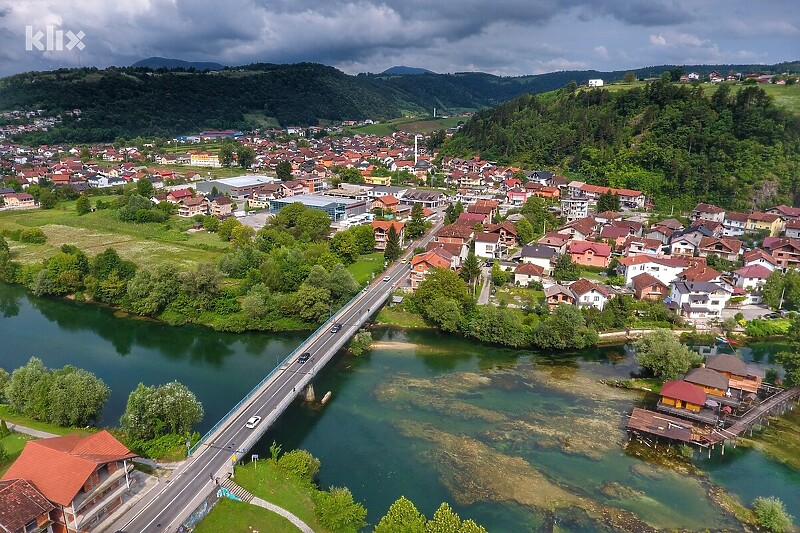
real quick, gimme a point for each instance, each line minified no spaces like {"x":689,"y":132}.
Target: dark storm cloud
{"x":500,"y":36}
{"x":644,"y":12}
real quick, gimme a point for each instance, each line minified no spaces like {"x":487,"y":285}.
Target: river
{"x":500,"y":434}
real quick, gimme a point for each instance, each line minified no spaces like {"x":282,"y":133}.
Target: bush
{"x":299,"y":464}
{"x":337,"y":511}
{"x":33,"y":236}
{"x":771,"y":514}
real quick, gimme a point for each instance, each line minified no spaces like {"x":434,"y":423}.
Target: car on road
{"x":772,"y":316}
{"x":253,"y":422}
{"x":404,"y":261}
{"x":304,"y":357}
{"x":335,"y":328}
{"x":387,"y":278}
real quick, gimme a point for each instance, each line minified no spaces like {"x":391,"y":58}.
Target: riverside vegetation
{"x":286,"y":276}
{"x":156,"y":422}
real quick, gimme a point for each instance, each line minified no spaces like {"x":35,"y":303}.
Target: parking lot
{"x":749,"y":311}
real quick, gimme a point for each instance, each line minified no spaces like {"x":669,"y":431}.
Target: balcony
{"x":705,"y":415}
{"x":106,"y":481}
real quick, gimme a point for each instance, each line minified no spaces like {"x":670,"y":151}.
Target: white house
{"x":540,"y":255}
{"x":588,"y":294}
{"x":596,"y":83}
{"x":664,"y":269}
{"x":487,"y":245}
{"x":699,"y":299}
{"x":752,"y":279}
{"x":527,"y":272}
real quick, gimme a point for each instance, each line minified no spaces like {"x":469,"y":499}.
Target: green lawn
{"x":397,"y":316}
{"x":366,"y":265}
{"x":265,"y":480}
{"x":144,"y":244}
{"x":13,"y":445}
{"x":521,"y":296}
{"x":238,"y":517}
{"x":11,"y":417}
{"x":408,"y":124}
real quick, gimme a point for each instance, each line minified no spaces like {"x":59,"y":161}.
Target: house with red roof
{"x":759,"y":257}
{"x":23,"y":509}
{"x":177,"y":195}
{"x":387,"y":204}
{"x":588,"y":294}
{"x":680,"y":394}
{"x":381,"y":230}
{"x":792,"y":228}
{"x":488,"y":245}
{"x":589,"y":253}
{"x":725,"y":247}
{"x":664,"y":269}
{"x":83,"y":477}
{"x":526,"y":273}
{"x":707,"y":212}
{"x":752,"y":279}
{"x":507,"y":232}
{"x":423,"y":264}
{"x":786,"y":252}
{"x":647,"y":287}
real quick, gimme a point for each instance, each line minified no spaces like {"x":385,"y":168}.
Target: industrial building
{"x":238,"y":188}
{"x":336,"y":208}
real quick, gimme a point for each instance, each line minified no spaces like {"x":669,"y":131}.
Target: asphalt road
{"x":177,"y":498}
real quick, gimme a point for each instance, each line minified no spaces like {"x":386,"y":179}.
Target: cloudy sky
{"x":506,"y":37}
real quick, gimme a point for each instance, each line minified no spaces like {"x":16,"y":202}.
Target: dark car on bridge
{"x":304,"y":357}
{"x":335,"y":328}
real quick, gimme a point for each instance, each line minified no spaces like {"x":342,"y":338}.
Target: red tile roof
{"x":684,"y":391}
{"x":581,"y":247}
{"x":529,"y":269}
{"x":60,"y":466}
{"x":20,"y":504}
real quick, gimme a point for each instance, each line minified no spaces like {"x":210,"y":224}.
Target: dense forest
{"x":140,"y":101}
{"x":735,"y":149}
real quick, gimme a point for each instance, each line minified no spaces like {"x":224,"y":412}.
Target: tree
{"x":337,"y":511}
{"x":664,"y":355}
{"x":226,"y":154}
{"x":392,"y":251}
{"x":790,"y":361}
{"x":416,"y":226}
{"x":607,"y":202}
{"x":144,"y":188}
{"x":284,"y":170}
{"x":525,"y":231}
{"x":564,"y":328}
{"x":155,"y":411}
{"x":76,"y":397}
{"x":47,"y":200}
{"x":245,"y":155}
{"x":4,"y":378}
{"x":498,"y":325}
{"x":499,"y":275}
{"x":441,"y":283}
{"x":349,"y":174}
{"x":83,"y":205}
{"x":446,"y":521}
{"x":226,"y":227}
{"x":343,"y":244}
{"x":402,"y":517}
{"x":86,"y":155}
{"x":771,"y":514}
{"x":630,"y":77}
{"x":471,"y":270}
{"x":566,"y":270}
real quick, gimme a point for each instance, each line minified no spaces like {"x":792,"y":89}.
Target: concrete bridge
{"x":165,"y":508}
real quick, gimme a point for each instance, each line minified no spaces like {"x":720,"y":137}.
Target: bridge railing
{"x":247,"y":396}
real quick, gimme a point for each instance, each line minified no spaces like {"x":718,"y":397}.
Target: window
{"x":30,"y":527}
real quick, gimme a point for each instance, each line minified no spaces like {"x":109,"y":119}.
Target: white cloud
{"x":601,"y":52}
{"x":658,"y":40}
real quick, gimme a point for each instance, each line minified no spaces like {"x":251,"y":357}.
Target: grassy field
{"x":408,"y":124}
{"x":239,"y":517}
{"x":399,"y":317}
{"x":13,"y":445}
{"x":784,"y":96}
{"x":144,"y":244}
{"x":366,"y":265}
{"x":266,"y":481}
{"x":7,"y":414}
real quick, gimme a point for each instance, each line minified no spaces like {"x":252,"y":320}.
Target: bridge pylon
{"x":309,"y":393}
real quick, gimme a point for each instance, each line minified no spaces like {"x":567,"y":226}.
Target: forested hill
{"x":129,"y":102}
{"x":732,"y":147}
